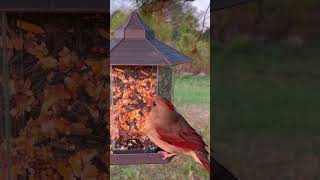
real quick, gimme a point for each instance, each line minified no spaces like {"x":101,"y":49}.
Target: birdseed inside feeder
{"x":141,"y":68}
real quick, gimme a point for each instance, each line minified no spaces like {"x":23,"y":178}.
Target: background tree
{"x":175,"y":22}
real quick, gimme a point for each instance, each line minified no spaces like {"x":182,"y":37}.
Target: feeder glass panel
{"x":58,"y":94}
{"x":132,"y":88}
{"x":165,"y":82}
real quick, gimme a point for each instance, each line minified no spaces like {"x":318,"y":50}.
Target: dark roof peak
{"x":134,"y":28}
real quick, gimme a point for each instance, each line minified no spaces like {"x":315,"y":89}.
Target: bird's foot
{"x":166,"y":154}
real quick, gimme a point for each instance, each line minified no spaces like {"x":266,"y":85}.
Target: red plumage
{"x":187,"y":140}
{"x":172,"y":133}
{"x":204,"y":161}
{"x":169,"y":104}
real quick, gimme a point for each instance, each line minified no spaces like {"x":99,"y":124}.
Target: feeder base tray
{"x":138,"y":158}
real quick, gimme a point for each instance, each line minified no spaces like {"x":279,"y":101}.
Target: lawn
{"x":192,"y":90}
{"x":191,"y":97}
{"x":273,"y":88}
{"x":267,"y":107}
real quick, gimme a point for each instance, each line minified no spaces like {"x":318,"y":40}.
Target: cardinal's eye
{"x":154,"y":104}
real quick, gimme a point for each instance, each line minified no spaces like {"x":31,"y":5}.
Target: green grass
{"x":192,"y":90}
{"x":267,"y":88}
{"x":266,"y":100}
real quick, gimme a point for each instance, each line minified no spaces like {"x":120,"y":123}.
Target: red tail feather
{"x":204,"y":160}
{"x":169,"y":104}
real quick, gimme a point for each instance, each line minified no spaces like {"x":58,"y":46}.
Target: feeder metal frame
{"x":134,"y":44}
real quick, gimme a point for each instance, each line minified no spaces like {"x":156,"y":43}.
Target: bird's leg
{"x":166,"y":154}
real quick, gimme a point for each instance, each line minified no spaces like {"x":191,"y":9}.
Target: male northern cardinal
{"x":171,"y":132}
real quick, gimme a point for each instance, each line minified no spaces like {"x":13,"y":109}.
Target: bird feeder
{"x":54,"y":89}
{"x":141,"y":67}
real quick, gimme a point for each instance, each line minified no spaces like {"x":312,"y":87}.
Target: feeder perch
{"x":141,"y":67}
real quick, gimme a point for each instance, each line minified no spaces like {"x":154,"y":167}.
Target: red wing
{"x":169,"y":104}
{"x":186,"y":140}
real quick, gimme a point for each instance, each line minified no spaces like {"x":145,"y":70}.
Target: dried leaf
{"x":103,"y":33}
{"x":64,"y":52}
{"x":90,"y":171}
{"x":48,"y":62}
{"x":63,"y":168}
{"x":72,"y":82}
{"x":75,"y":163}
{"x":27,"y":26}
{"x":87,"y":155}
{"x":97,"y":66}
{"x":119,"y":70}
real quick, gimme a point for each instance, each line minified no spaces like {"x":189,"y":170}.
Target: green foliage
{"x":266,"y":99}
{"x":272,"y":19}
{"x":178,"y":28}
{"x":278,"y":81}
{"x":240,"y":44}
{"x":117,"y":19}
{"x":188,"y":25}
{"x":162,"y":29}
{"x":131,"y":172}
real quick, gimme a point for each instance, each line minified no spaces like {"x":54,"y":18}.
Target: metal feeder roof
{"x":134,"y":44}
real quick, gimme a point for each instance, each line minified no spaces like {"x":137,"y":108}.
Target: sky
{"x":201,"y":6}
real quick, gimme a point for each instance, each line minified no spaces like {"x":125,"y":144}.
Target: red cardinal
{"x":171,"y":132}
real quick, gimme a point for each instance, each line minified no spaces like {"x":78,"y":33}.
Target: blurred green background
{"x":266,"y":81}
{"x":266,"y":108}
